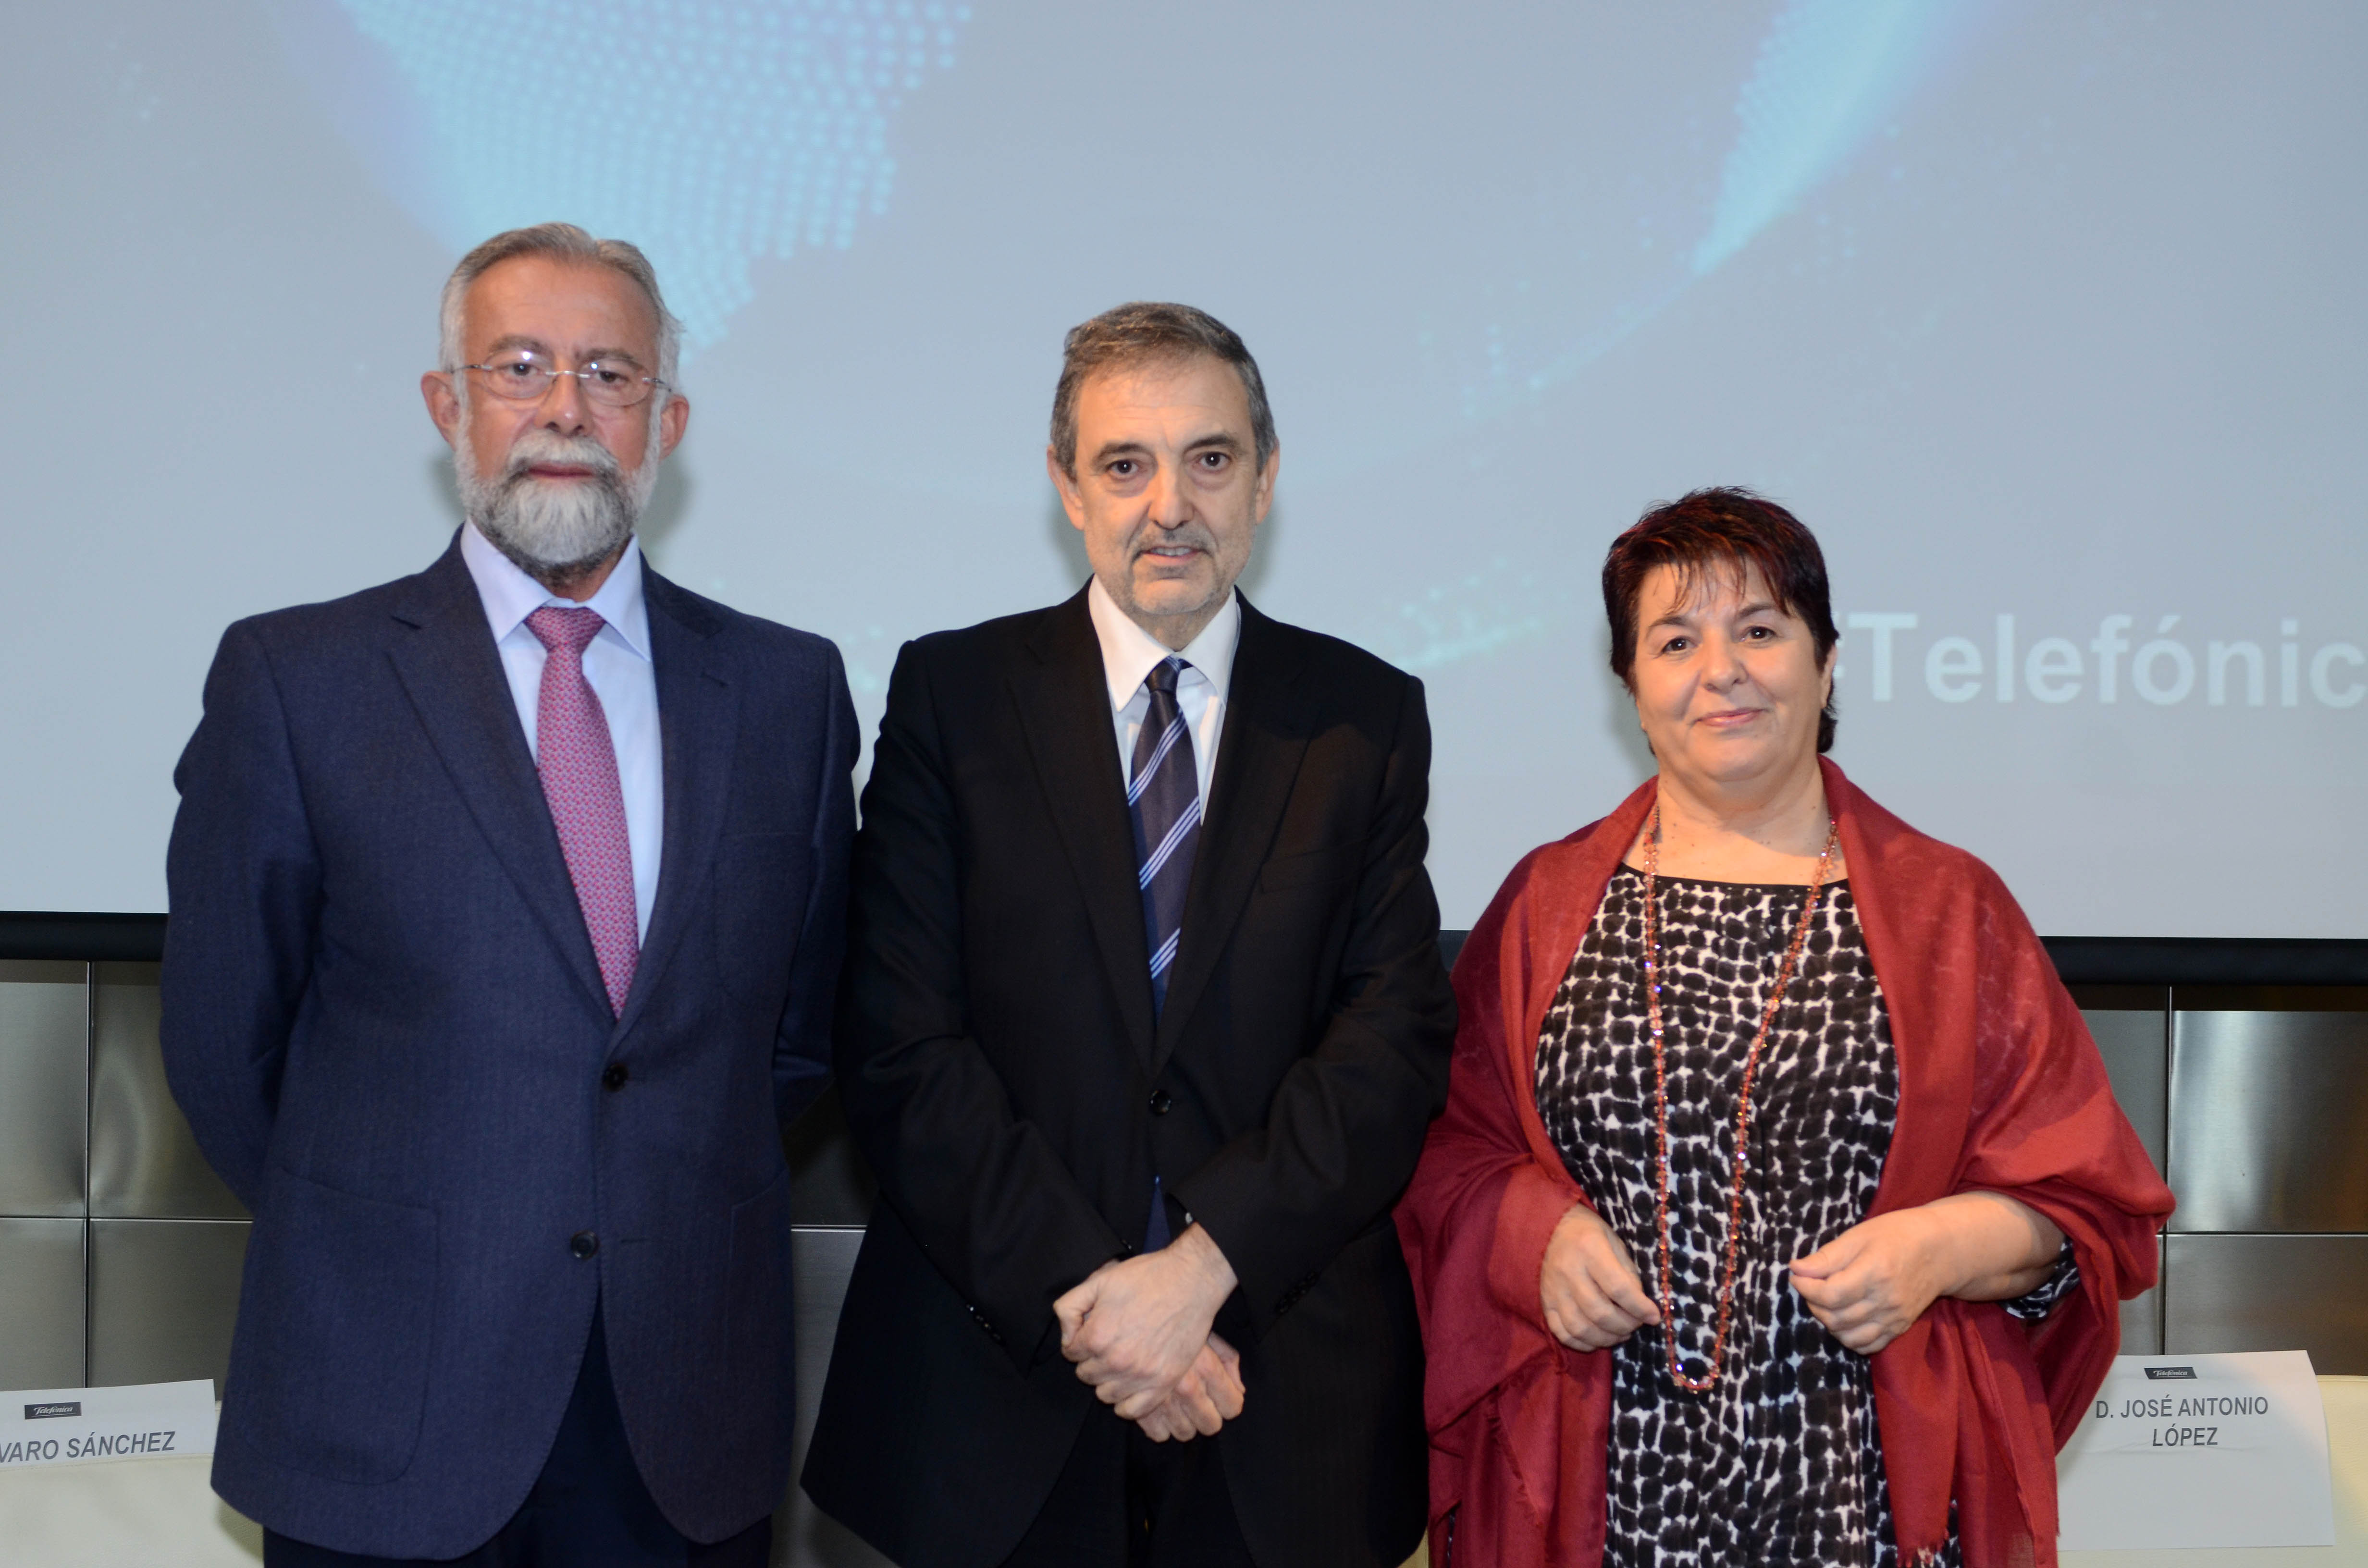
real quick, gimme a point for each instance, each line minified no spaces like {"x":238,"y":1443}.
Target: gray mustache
{"x":537,"y":448}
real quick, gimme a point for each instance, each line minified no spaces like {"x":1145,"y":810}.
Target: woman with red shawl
{"x":1781,"y":1210}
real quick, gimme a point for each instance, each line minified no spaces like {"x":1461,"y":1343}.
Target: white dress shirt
{"x":617,"y":664}
{"x":1128,"y":654}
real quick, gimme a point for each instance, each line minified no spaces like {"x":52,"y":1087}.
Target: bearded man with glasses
{"x":507,"y":914}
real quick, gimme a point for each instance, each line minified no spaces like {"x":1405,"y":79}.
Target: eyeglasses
{"x":526,"y":377}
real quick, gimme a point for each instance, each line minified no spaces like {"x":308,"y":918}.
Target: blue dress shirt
{"x":619,"y":668}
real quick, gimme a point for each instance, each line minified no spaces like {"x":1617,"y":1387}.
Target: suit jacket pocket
{"x":760,"y":900}
{"x":1332,"y":864}
{"x":329,"y":1362}
{"x":757,"y":1310}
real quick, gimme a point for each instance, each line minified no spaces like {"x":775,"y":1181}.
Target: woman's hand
{"x":1592,"y":1297}
{"x":1870,"y":1283}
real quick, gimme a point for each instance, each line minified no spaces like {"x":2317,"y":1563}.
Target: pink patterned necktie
{"x":578,"y":763}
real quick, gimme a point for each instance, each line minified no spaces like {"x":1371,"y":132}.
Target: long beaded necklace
{"x":1743,"y":1105}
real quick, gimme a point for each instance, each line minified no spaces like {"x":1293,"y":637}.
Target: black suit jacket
{"x":384,"y":1020}
{"x":1005,"y":1076}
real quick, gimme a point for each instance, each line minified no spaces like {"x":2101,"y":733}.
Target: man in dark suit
{"x":1140,"y":1084}
{"x":506,"y":912}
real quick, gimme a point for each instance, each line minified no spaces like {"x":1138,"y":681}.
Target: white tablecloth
{"x":159,"y":1513}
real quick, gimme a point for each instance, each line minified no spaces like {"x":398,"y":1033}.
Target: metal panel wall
{"x":40,"y":1304}
{"x":44,"y":1071}
{"x":2257,"y":1293}
{"x":2131,"y":1027}
{"x":44,"y":1074}
{"x":167,"y":1240}
{"x":119,"y":1250}
{"x":803,"y":1536}
{"x":144,"y":1163}
{"x":2268,"y":1139}
{"x":163,"y":1294}
{"x":2270,"y":1115}
{"x":2254,"y":1102}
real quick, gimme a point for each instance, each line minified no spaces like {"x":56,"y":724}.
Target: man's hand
{"x":1208,"y":1396}
{"x":1872,"y":1283}
{"x":1587,"y":1286}
{"x":1135,"y":1328}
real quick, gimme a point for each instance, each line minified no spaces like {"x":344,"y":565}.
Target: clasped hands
{"x":1867,"y":1286}
{"x":1139,"y":1330}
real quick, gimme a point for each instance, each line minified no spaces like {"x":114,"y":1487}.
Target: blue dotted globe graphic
{"x":709,"y":133}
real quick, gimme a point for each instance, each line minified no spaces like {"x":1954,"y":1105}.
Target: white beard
{"x":555,"y":530}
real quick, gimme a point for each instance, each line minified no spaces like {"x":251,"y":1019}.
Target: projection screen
{"x":2048,"y":319}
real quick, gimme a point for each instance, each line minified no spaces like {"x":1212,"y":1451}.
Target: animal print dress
{"x":1780,"y":1461}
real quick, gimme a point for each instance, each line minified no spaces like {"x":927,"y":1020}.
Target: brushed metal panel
{"x":2136,"y":1049}
{"x":2271,"y":1293}
{"x":163,"y":1294}
{"x":2274,"y":998}
{"x":829,"y":1184}
{"x":44,"y":1076}
{"x":40,"y":1304}
{"x":2268,"y":1121}
{"x":145,"y":1164}
{"x":803,"y":1536}
{"x":2142,"y":1315}
{"x":2142,"y":1323}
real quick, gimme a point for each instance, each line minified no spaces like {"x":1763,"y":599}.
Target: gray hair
{"x":562,"y":242}
{"x":1144,"y":333}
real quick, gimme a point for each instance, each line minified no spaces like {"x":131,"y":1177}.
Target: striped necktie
{"x":1163,"y":797}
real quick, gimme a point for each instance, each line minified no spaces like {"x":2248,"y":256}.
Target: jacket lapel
{"x":698,"y":725}
{"x":1264,"y":739}
{"x":1064,"y":703}
{"x":451,"y":672}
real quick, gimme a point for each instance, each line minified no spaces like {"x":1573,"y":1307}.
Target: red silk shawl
{"x":2001,"y":1089}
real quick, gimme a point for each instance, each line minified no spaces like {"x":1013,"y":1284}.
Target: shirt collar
{"x":1128,"y":652}
{"x":510,"y":595}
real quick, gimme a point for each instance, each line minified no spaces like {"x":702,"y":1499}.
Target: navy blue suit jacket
{"x":383,"y":1019}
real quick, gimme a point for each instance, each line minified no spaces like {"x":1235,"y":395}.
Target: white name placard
{"x":78,"y":1425}
{"x":2199,"y":1450}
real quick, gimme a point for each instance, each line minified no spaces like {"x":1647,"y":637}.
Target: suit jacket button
{"x":1162,"y":1102}
{"x":613,"y":1076}
{"x":583,"y":1243}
